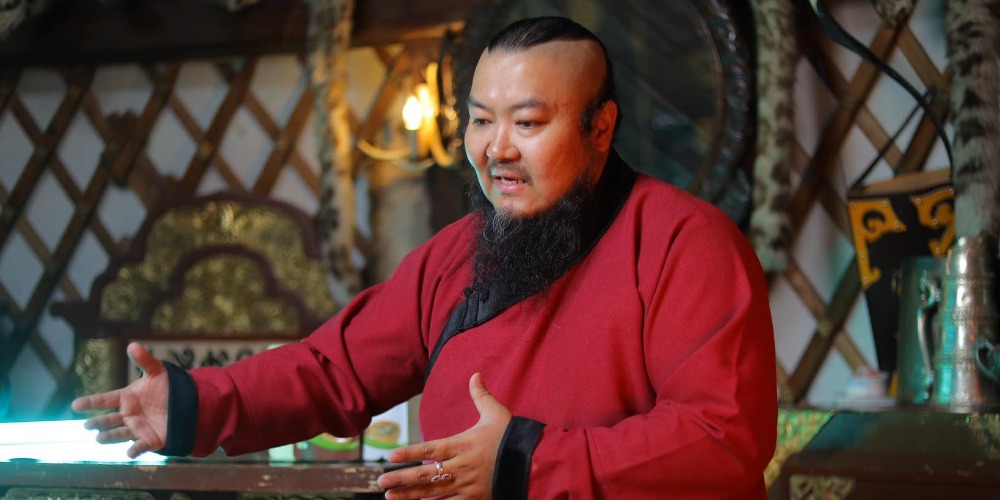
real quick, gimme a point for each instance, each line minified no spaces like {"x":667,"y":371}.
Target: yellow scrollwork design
{"x":811,"y":486}
{"x":796,"y":429}
{"x":224,"y":295}
{"x":871,"y":219}
{"x":986,"y":431}
{"x":934,"y":210}
{"x":97,"y":363}
{"x":259,"y":228}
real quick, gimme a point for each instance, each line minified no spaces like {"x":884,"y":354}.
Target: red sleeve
{"x":709,"y":352}
{"x":368,"y":358}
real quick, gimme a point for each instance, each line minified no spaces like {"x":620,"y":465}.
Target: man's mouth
{"x":509,"y":181}
{"x":508,"y":175}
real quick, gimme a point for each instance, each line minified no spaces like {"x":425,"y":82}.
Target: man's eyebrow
{"x":527,"y":103}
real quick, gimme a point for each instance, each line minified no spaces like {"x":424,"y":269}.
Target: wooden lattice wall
{"x":241,"y":124}
{"x":854,"y":110}
{"x":61,"y":196}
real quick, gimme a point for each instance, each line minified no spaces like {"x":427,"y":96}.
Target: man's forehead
{"x":575,"y":53}
{"x":541,"y":70}
{"x":530,"y":102}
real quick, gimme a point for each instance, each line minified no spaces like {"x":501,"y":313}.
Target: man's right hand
{"x":138,"y":411}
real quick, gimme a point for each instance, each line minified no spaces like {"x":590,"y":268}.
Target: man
{"x":621,"y":323}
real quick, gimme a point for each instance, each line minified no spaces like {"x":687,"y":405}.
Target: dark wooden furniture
{"x":896,"y":454}
{"x":189,"y":479}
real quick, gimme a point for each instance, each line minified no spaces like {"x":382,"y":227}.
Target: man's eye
{"x":479,"y":121}
{"x":527,"y":124}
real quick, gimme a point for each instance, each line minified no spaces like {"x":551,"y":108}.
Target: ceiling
{"x":95,"y":31}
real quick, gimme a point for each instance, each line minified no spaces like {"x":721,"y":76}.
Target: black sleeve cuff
{"x":182,"y":412}
{"x":510,"y":473}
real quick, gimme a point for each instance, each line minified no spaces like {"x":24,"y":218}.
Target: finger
{"x":116,"y":435}
{"x":102,"y":401}
{"x":417,"y":492}
{"x":418,"y":474}
{"x":143,"y":359}
{"x":481,"y":397}
{"x":139,"y":446}
{"x":416,"y":484}
{"x":407,"y":493}
{"x":430,"y":450}
{"x":477,"y":388}
{"x":104,"y":422}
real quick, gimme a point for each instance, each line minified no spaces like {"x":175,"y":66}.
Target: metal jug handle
{"x":930,"y":297}
{"x":978,"y":347}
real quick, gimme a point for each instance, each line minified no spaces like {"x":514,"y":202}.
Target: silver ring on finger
{"x":441,"y":474}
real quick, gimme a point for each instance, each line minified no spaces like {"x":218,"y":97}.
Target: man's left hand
{"x":460,"y":465}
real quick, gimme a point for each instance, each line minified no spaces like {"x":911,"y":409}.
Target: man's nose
{"x":501,"y":148}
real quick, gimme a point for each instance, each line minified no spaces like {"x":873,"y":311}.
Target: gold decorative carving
{"x":224,"y":295}
{"x":75,"y":494}
{"x":796,"y":428}
{"x":815,"y":487}
{"x":97,"y":365}
{"x":261,"y":229}
{"x":877,"y":218}
{"x":986,"y":431}
{"x":934,"y":210}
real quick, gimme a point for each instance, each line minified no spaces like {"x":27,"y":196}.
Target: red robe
{"x":650,"y":362}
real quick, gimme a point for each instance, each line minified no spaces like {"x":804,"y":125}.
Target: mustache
{"x":517,"y":168}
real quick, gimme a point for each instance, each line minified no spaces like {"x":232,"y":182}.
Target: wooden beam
{"x":211,"y":142}
{"x":393,"y":21}
{"x":96,"y":32}
{"x":852,"y":95}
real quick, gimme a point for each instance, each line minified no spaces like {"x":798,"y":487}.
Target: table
{"x":898,"y":453}
{"x":183,"y":479}
{"x":61,"y":460}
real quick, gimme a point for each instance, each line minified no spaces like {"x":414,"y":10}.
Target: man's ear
{"x":604,"y":125}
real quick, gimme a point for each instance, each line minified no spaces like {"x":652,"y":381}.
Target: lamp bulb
{"x":413,"y":113}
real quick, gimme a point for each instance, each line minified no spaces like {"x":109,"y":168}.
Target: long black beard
{"x":519,"y":256}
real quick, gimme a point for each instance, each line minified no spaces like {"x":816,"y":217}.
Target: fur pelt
{"x":330,"y":29}
{"x":893,"y":12}
{"x":15,"y":12}
{"x":770,"y":224}
{"x":972,"y":61}
{"x":12,"y":14}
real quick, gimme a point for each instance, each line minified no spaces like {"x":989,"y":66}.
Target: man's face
{"x":524,"y":137}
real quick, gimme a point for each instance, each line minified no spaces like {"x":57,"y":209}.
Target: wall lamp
{"x":428,"y":144}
